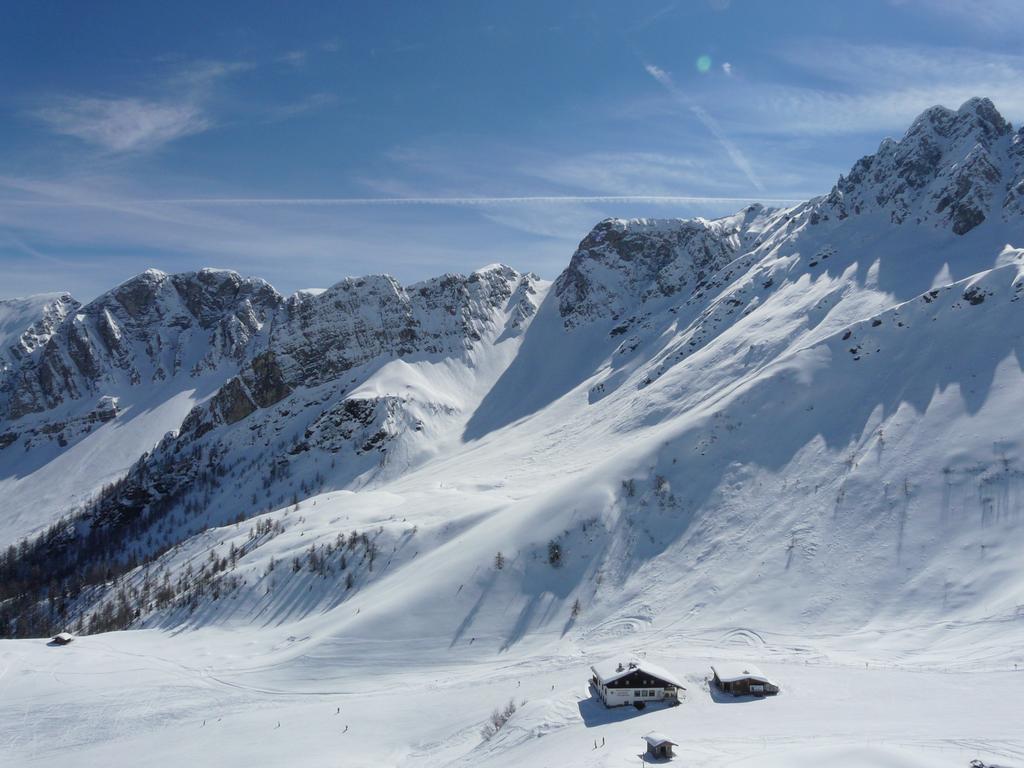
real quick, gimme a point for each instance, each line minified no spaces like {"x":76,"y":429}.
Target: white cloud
{"x":291,"y":243}
{"x":123,"y":125}
{"x":136,"y":123}
{"x":652,"y":173}
{"x":293,"y":58}
{"x":876,"y":88}
{"x":267,"y":233}
{"x":197,"y":77}
{"x":727,"y":68}
{"x":887,"y":67}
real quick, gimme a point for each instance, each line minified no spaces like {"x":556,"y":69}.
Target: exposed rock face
{"x":260,"y":385}
{"x":290,"y":399}
{"x":1014,"y":203}
{"x":361,"y":319}
{"x":63,"y":432}
{"x":149,"y":329}
{"x":358,"y":424}
{"x":27,"y":324}
{"x":625,"y":262}
{"x":951,"y":168}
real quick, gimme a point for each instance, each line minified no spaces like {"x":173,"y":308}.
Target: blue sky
{"x":305,"y":142}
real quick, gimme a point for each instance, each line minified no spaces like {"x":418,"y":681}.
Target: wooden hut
{"x":659,"y":746}
{"x":63,"y":638}
{"x":743,"y":680}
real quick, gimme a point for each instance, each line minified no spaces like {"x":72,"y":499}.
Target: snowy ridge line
{"x":929,"y":298}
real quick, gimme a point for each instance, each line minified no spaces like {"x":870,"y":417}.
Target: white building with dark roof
{"x":631,"y":681}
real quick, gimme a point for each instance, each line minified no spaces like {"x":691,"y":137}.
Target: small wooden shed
{"x":659,"y":746}
{"x":743,"y":680}
{"x":63,"y":638}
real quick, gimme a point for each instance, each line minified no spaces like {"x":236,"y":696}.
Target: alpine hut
{"x":742,"y":680}
{"x":634,"y":681}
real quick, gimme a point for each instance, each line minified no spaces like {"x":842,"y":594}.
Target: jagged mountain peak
{"x":149,"y":328}
{"x":976,"y":118}
{"x":952,"y":168}
{"x":377,"y":284}
{"x":202,"y":291}
{"x":381,"y":282}
{"x":623,"y":262}
{"x":27,"y":323}
{"x":503,"y":269}
{"x":358,"y":319}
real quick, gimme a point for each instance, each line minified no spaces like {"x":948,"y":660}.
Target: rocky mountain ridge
{"x":952,"y":169}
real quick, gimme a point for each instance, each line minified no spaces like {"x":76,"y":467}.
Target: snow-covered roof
{"x":731,"y":671}
{"x":656,"y":739}
{"x":610,"y":670}
{"x":64,"y":637}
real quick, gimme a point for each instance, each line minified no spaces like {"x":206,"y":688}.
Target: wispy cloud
{"x":311,"y":103}
{"x":656,"y":16}
{"x":136,"y":123}
{"x":504,"y":171}
{"x":198,"y":77}
{"x":1001,"y":17}
{"x":123,"y":125}
{"x":293,"y":58}
{"x":654,"y":173}
{"x":296,"y":241}
{"x":872,"y":88}
{"x":293,"y":244}
{"x":709,"y":122}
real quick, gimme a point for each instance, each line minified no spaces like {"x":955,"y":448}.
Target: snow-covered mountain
{"x":792,"y":427}
{"x":27,"y":324}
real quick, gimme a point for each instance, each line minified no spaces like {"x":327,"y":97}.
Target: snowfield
{"x":215,"y":697}
{"x":350,"y":524}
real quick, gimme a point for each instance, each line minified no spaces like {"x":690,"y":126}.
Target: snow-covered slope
{"x":786,"y":435}
{"x":95,"y":386}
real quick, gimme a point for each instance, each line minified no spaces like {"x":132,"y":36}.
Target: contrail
{"x":737,"y":157}
{"x":439,"y":201}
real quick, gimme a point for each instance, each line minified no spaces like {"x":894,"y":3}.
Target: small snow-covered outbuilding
{"x":659,"y":745}
{"x":632,"y":681}
{"x":743,"y":680}
{"x":63,"y":638}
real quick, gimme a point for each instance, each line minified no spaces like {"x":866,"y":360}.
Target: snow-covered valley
{"x":342,"y":527}
{"x":218,"y":697}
